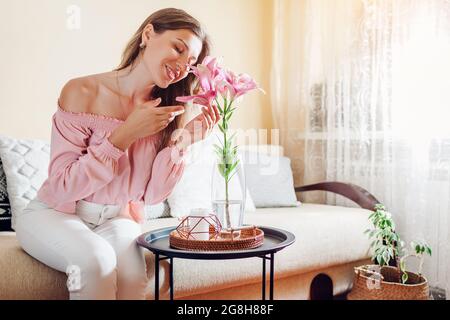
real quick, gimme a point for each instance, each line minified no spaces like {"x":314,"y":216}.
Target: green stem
{"x":225,"y":158}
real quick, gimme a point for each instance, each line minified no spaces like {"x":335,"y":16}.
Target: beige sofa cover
{"x":329,"y":239}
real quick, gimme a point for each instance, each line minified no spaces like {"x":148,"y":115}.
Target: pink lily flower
{"x":215,"y":80}
{"x":236,"y":85}
{"x":209,"y":74}
{"x":204,"y":99}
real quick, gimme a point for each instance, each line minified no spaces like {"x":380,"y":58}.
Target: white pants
{"x":96,"y":248}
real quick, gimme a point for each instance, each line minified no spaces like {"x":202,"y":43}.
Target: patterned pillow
{"x":159,"y":210}
{"x":25,"y":163}
{"x":5,"y":208}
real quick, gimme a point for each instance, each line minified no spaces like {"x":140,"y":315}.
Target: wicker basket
{"x":248,"y":239}
{"x":386,"y":285}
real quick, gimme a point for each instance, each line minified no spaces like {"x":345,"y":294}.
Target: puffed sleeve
{"x":167,"y":169}
{"x":76,"y":169}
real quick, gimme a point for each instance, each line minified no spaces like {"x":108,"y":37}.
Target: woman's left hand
{"x":200,"y":127}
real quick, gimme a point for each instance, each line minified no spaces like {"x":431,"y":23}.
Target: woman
{"x":113,"y":151}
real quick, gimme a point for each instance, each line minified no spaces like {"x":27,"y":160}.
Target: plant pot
{"x":374,"y":283}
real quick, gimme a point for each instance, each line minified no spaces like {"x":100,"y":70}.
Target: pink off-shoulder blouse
{"x":85,"y":165}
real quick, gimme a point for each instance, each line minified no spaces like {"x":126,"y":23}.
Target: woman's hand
{"x":198,"y":128}
{"x":145,"y":120}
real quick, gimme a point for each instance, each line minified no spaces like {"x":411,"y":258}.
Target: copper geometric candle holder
{"x":189,"y":227}
{"x":191,"y":235}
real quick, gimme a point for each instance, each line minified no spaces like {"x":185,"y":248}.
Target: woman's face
{"x":167,"y":55}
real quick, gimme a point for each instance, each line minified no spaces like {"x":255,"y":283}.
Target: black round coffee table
{"x":157,"y":241}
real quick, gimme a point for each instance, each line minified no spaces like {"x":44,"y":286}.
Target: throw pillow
{"x":270,"y":180}
{"x":5,"y":207}
{"x":25,"y":163}
{"x":159,"y":210}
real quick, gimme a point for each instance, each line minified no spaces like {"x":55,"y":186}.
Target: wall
{"x":39,"y":54}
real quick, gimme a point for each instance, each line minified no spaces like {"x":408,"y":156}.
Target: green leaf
{"x":373,"y":243}
{"x":217,"y":147}
{"x":417,"y":248}
{"x":222,"y":171}
{"x":391,"y":253}
{"x":386,"y":256}
{"x":218,"y":106}
{"x":395,"y":237}
{"x":402,"y":266}
{"x":221,"y":128}
{"x":378,"y":259}
{"x":232,"y":136}
{"x":231,"y":103}
{"x":233,"y":166}
{"x":220,"y":110}
{"x":404,"y":277}
{"x":229,"y":179}
{"x":218,"y":139}
{"x":225,"y":105}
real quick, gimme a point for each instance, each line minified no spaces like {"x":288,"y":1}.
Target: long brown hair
{"x":163,"y":20}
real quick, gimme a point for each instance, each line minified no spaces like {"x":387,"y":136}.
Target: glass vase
{"x":228,"y":201}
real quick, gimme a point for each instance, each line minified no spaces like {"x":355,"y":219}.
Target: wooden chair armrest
{"x":350,"y":191}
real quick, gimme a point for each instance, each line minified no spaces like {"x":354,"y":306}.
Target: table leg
{"x":171,"y":278}
{"x":272,"y":259}
{"x":156,"y":276}
{"x":264,"y":278}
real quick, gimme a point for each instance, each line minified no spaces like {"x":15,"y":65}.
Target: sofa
{"x":330,"y":242}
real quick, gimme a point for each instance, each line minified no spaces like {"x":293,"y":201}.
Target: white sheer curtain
{"x":371,"y":85}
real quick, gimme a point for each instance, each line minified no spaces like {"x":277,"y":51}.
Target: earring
{"x":142,"y":45}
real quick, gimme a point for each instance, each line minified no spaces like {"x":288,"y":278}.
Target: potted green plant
{"x":388,"y":278}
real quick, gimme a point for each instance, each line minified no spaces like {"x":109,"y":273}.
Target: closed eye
{"x":178,"y":50}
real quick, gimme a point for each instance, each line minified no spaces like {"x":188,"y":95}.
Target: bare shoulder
{"x":78,"y":94}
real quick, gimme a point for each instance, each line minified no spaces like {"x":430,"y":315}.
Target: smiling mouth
{"x":170,"y":73}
